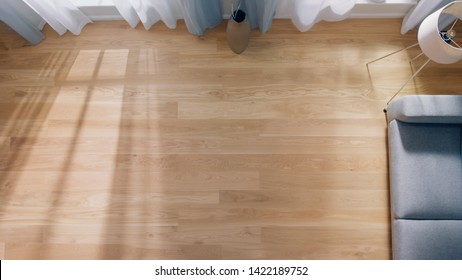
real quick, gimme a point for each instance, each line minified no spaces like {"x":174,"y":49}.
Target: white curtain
{"x":27,"y":17}
{"x":22,"y":19}
{"x":202,"y":14}
{"x":306,"y":13}
{"x":198,"y":14}
{"x":61,"y":15}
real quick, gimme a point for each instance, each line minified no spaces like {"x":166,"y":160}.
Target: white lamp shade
{"x":430,"y":40}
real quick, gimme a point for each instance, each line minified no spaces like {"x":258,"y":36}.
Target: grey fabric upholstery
{"x":425,"y":170}
{"x":427,"y":239}
{"x":426,"y":109}
{"x":426,"y":176}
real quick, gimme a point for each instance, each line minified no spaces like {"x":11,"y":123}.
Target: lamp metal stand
{"x":390,"y":54}
{"x":412,"y":77}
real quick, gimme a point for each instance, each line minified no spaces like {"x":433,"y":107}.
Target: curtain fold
{"x":198,"y":14}
{"x":149,"y":12}
{"x":61,"y":15}
{"x":27,"y":17}
{"x":417,"y":14}
{"x":201,"y":14}
{"x":260,"y":13}
{"x":22,"y":19}
{"x":306,"y":13}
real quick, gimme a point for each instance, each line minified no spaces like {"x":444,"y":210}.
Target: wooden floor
{"x":135,"y":144}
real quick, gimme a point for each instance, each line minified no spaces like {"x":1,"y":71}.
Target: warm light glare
{"x":99,"y":65}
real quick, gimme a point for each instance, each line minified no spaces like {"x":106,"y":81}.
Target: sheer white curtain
{"x":198,"y":14}
{"x":61,"y":15}
{"x":22,"y":19}
{"x":202,"y":14}
{"x":27,"y":17}
{"x":306,"y":13}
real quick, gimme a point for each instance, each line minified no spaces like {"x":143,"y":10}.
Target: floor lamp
{"x":438,"y":44}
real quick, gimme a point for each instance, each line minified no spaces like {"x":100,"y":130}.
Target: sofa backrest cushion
{"x":426,"y":109}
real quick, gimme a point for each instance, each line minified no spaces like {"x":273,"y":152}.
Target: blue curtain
{"x":201,"y":14}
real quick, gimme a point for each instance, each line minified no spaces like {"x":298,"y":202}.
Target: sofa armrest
{"x":426,"y":109}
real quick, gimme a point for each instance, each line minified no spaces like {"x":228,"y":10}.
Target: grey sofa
{"x":424,"y":137}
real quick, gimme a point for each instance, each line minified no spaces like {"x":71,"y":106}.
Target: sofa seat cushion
{"x":425,"y":170}
{"x":423,"y":239}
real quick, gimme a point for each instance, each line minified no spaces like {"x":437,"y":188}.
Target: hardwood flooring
{"x":131,"y":144}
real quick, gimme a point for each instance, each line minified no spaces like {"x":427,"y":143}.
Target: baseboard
{"x":391,"y":10}
{"x":102,"y":13}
